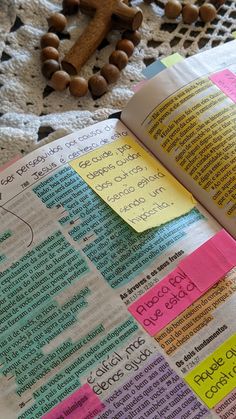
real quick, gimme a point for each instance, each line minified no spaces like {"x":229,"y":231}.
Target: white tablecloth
{"x":31,"y":115}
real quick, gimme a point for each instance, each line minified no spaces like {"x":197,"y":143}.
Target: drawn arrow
{"x":21,"y":219}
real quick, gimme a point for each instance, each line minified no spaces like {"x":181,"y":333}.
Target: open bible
{"x":118,"y":257}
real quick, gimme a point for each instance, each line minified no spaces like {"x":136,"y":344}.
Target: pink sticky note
{"x":211,"y":261}
{"x":226,"y":245}
{"x":165,"y":301}
{"x":82,"y":404}
{"x":182,"y":287}
{"x":139,"y":85}
{"x":226,"y":81}
{"x":10,"y":162}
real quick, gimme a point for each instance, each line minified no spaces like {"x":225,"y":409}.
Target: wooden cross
{"x":106,"y":14}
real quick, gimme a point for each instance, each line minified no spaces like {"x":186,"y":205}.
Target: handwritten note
{"x":182,"y":287}
{"x":215,"y":377}
{"x":165,"y":301}
{"x":226,"y":81}
{"x":134,"y":184}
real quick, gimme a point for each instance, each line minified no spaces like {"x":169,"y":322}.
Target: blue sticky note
{"x":153,"y":69}
{"x":160,"y":65}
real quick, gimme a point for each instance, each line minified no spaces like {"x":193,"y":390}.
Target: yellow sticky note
{"x":134,"y":184}
{"x":234,"y":34}
{"x":172,"y":59}
{"x":215,"y":377}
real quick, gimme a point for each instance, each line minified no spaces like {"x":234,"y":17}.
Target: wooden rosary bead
{"x":49,"y":67}
{"x":119,"y":59}
{"x":60,"y":80}
{"x":70,"y":7}
{"x":49,"y":53}
{"x":118,"y":13}
{"x":78,"y":86}
{"x":57,"y":22}
{"x":190,"y":13}
{"x":173,"y":9}
{"x":207,"y":12}
{"x":125,"y":45}
{"x":97,"y":85}
{"x":50,"y":39}
{"x":133,"y":36}
{"x":110,"y":72}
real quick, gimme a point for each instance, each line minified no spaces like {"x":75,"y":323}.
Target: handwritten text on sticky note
{"x":165,"y":301}
{"x":134,"y":184}
{"x":194,"y":275}
{"x":226,"y":81}
{"x":215,"y":377}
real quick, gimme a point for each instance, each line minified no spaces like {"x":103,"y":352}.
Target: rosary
{"x":191,"y":12}
{"x":106,"y":15}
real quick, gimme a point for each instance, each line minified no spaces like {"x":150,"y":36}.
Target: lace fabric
{"x":33,"y":114}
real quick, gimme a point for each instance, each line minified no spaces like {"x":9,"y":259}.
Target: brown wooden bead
{"x":207,"y":12}
{"x":125,"y":45}
{"x":173,"y":9}
{"x":70,"y":7}
{"x":133,"y":36}
{"x":60,"y":80}
{"x":49,"y":53}
{"x":119,"y":59}
{"x":110,"y":72}
{"x":190,"y":13}
{"x":50,"y":39}
{"x":97,"y":85}
{"x":57,"y":22}
{"x":78,"y":86}
{"x":49,"y":67}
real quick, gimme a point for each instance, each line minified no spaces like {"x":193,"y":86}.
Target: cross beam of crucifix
{"x":105,"y":13}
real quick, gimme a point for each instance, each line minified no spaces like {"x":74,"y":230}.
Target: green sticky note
{"x":234,"y":34}
{"x":214,"y":378}
{"x":172,"y":59}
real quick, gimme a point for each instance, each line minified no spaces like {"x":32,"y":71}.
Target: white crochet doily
{"x":32,"y":114}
